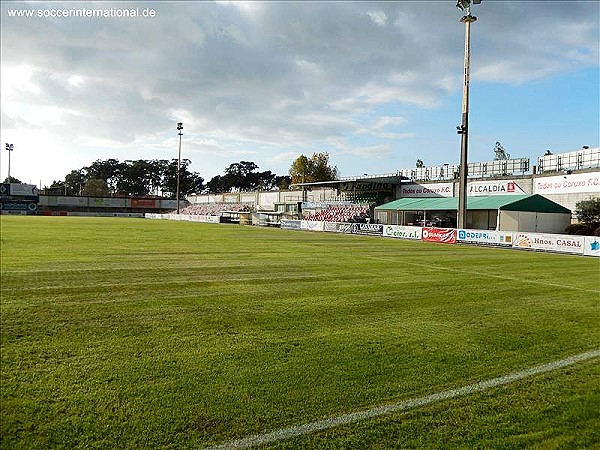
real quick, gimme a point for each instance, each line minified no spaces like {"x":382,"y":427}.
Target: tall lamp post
{"x":9,"y":149}
{"x":463,"y":129}
{"x":180,"y":130}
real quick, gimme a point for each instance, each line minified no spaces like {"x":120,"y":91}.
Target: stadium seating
{"x":340,"y":213}
{"x":215,"y":209}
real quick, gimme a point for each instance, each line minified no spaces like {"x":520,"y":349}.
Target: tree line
{"x":140,"y":178}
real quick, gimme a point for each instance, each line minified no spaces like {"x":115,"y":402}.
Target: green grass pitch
{"x":130,"y":333}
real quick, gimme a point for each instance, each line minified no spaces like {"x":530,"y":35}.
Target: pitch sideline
{"x":298,"y":430}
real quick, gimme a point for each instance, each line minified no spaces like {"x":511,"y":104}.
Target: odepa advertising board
{"x":485,"y":237}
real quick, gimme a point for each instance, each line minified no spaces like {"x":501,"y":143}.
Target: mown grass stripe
{"x":345,"y":419}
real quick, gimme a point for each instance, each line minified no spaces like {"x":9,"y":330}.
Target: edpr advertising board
{"x":402,"y":232}
{"x":497,"y":187}
{"x":591,"y":246}
{"x":553,"y":242}
{"x":567,"y":184}
{"x":485,"y":237}
{"x":443,"y":235}
{"x":426,"y":190}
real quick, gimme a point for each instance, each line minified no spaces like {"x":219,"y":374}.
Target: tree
{"x":588,"y":211}
{"x":107,"y":171}
{"x":74,"y":182}
{"x":314,"y":169}
{"x":420,"y":163}
{"x":500,"y":152}
{"x":95,"y":187}
{"x":12,"y":180}
{"x":548,"y":153}
{"x":189,"y":182}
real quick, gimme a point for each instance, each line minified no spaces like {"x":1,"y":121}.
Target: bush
{"x":581,"y":229}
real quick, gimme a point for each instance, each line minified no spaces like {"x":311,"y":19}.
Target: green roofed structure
{"x":533,"y":213}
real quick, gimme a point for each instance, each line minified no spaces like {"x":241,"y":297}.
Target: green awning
{"x":533,"y":203}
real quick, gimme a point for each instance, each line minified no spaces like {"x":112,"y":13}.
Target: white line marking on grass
{"x":345,"y":419}
{"x":500,"y":277}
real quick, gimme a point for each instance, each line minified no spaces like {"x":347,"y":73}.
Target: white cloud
{"x":270,"y":79}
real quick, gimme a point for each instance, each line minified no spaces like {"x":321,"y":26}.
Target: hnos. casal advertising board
{"x":552,"y":242}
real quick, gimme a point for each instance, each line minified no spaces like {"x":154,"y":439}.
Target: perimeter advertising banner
{"x":591,"y":246}
{"x":553,"y":242}
{"x":567,"y":184}
{"x":311,"y":225}
{"x":443,"y":235}
{"x":368,"y":229}
{"x":338,"y":227}
{"x":485,"y":237}
{"x":287,"y":224}
{"x":497,"y":187}
{"x":427,"y":190}
{"x":402,"y":232}
{"x":143,"y":203}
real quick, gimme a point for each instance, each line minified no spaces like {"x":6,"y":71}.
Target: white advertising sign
{"x":554,"y":242}
{"x":311,"y":225}
{"x":568,"y":184}
{"x":23,"y":189}
{"x":485,"y":237}
{"x":591,"y":246}
{"x":426,"y":190}
{"x":402,"y":232}
{"x":497,"y":187}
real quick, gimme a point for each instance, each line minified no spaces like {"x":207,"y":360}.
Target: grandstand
{"x":338,"y":212}
{"x":216,"y":209}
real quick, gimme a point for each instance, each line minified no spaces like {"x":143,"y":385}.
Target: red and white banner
{"x":444,"y":235}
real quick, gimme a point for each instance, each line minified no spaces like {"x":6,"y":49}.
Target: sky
{"x":377,"y":85}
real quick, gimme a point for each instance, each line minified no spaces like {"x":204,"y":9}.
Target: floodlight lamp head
{"x":463,"y":5}
{"x":180,"y":125}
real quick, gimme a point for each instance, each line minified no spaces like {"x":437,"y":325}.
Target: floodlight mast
{"x":9,"y":149}
{"x":463,"y":129}
{"x":180,"y":132}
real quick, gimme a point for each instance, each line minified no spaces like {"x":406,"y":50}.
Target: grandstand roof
{"x":534,"y":202}
{"x":390,"y":178}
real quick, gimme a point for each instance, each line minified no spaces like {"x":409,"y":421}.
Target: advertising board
{"x":567,"y":184}
{"x":290,"y":224}
{"x":591,"y":246}
{"x":427,"y":190}
{"x":107,"y":202}
{"x":443,"y":235}
{"x":402,"y":232}
{"x":143,"y":203}
{"x":552,"y":242}
{"x":485,"y":237}
{"x":368,"y":229}
{"x":311,"y":225}
{"x":23,"y":190}
{"x":496,"y":187}
{"x":337,"y":227}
